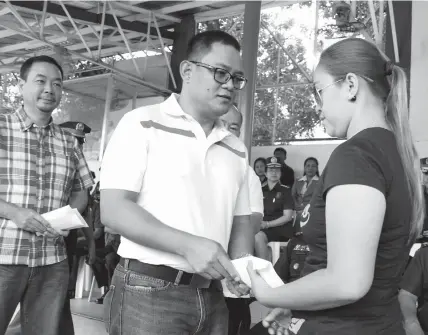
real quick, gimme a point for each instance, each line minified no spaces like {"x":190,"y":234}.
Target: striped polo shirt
{"x":189,"y":181}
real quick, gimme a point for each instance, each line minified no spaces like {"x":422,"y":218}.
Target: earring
{"x":352,"y":98}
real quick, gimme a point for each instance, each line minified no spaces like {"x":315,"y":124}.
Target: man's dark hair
{"x":201,"y":43}
{"x":281,"y":150}
{"x":25,"y":68}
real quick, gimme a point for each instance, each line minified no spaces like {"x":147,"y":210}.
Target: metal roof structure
{"x":93,"y":30}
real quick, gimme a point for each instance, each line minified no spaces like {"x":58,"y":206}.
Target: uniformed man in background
{"x":79,"y":131}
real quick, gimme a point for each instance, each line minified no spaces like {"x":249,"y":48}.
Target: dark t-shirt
{"x":369,"y":158}
{"x":287,"y":175}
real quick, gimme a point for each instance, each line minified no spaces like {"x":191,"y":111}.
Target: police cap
{"x":273,"y":162}
{"x":76,"y":128}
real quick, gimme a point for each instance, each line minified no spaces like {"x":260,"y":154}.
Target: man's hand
{"x":277,"y":321}
{"x":237,"y":288}
{"x":31,"y":221}
{"x":209,"y":259}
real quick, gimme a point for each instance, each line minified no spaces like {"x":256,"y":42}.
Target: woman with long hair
{"x":304,"y":187}
{"x":260,"y":170}
{"x":367,"y":209}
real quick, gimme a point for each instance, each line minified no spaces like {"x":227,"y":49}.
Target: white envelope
{"x":264,"y":268}
{"x":65,"y":218}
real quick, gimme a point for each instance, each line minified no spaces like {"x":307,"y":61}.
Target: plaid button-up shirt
{"x":39,"y":169}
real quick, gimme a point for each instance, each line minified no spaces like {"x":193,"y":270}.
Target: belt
{"x":168,"y":274}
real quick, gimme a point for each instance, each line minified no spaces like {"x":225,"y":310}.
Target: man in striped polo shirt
{"x":40,"y":170}
{"x":174,"y":186}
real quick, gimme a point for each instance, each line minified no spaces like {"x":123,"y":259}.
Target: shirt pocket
{"x":60,"y":168}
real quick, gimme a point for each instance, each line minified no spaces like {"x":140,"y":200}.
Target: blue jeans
{"x":41,"y":291}
{"x":140,"y":305}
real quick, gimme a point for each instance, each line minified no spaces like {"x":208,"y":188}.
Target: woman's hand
{"x":260,"y":289}
{"x":264,"y":225}
{"x":277,"y":321}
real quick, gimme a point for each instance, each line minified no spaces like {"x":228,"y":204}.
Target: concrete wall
{"x":419,"y":75}
{"x":297,"y":153}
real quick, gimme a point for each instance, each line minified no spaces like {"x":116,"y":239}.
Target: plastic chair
{"x":276,"y":250}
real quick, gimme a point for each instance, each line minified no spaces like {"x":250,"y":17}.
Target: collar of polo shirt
{"x":176,"y":110}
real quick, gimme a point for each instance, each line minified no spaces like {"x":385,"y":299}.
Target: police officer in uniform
{"x":288,"y":268}
{"x":277,"y":224}
{"x":79,"y":131}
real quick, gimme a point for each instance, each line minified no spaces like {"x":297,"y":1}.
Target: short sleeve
{"x":256,"y":194}
{"x":413,"y":278}
{"x":288,"y":202}
{"x":125,"y":159}
{"x":242,"y":206}
{"x":82,"y":177}
{"x":355,"y":163}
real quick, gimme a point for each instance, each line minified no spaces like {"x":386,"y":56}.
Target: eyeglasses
{"x":317,"y":93}
{"x":222,"y":76}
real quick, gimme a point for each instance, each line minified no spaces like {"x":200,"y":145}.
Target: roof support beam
{"x":90,"y":18}
{"x":161,"y":90}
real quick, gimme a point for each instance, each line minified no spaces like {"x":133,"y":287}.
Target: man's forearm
{"x":256,"y":221}
{"x":133,"y":222}
{"x":7,"y":209}
{"x":241,"y":238}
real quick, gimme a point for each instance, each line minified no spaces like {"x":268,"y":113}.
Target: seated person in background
{"x":260,"y":169}
{"x":304,"y":187}
{"x":413,"y":296}
{"x":287,"y":173}
{"x":277,"y":224}
{"x":288,"y":267}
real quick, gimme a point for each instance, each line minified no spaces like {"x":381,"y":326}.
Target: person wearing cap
{"x":41,"y":170}
{"x":277,"y":224}
{"x":79,"y":130}
{"x":239,"y":310}
{"x":180,"y":227}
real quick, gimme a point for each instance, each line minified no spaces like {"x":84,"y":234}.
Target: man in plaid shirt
{"x":40,"y":170}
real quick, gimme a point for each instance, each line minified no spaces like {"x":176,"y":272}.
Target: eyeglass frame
{"x":215,"y":69}
{"x":318,"y":92}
